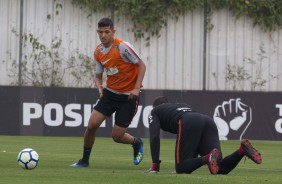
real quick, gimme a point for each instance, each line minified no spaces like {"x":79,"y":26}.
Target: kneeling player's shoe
{"x":138,"y":153}
{"x":80,"y":163}
{"x":250,"y":151}
{"x":151,"y":171}
{"x":213,"y":158}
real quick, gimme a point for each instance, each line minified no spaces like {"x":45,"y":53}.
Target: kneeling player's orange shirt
{"x":119,"y":63}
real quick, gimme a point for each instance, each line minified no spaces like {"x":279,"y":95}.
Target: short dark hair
{"x":159,"y":100}
{"x":106,"y":22}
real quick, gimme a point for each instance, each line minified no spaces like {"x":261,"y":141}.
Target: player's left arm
{"x":141,"y":72}
{"x":128,"y":54}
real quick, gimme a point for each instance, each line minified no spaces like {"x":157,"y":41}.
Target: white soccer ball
{"x":28,"y":158}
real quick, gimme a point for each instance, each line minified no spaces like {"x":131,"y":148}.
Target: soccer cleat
{"x":151,"y":171}
{"x":213,"y":165}
{"x":138,"y":153}
{"x":250,"y":151}
{"x":80,"y":163}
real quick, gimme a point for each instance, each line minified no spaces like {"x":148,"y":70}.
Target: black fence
{"x":65,"y":112}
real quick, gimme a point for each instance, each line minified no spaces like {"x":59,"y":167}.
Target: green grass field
{"x":112,"y":163}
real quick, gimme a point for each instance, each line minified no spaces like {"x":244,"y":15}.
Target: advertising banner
{"x":65,"y":112}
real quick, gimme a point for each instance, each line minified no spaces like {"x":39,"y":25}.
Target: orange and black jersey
{"x":119,"y":63}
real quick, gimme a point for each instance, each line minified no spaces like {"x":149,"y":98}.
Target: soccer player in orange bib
{"x":125,"y":71}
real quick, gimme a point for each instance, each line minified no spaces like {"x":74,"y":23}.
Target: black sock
{"x":136,"y":142}
{"x":135,"y":145}
{"x":86,"y":153}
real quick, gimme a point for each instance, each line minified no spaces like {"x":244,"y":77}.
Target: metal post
{"x":20,"y":42}
{"x":205,"y":45}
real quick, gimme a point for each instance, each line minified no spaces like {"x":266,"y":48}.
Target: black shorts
{"x":197,"y":135}
{"x":124,"y":109}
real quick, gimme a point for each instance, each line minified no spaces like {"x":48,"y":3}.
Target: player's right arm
{"x":154,"y":129}
{"x":99,"y":69}
{"x":99,"y":83}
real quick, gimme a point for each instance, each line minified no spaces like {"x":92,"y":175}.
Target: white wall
{"x":174,"y":61}
{"x":233,"y":41}
{"x":9,"y":42}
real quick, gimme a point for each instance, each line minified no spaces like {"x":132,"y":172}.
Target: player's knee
{"x":91,"y":130}
{"x":117,"y":138}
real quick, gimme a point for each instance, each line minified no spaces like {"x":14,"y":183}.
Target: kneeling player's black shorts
{"x":124,"y":109}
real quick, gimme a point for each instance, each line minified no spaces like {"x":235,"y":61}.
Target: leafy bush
{"x":150,"y":16}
